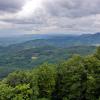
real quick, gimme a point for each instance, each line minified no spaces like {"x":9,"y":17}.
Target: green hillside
{"x":27,"y":58}
{"x":77,"y":78}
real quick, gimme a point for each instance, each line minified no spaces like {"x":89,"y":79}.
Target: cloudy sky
{"x":49,"y":16}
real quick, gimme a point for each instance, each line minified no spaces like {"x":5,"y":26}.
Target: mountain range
{"x":58,"y":40}
{"x":28,"y":51}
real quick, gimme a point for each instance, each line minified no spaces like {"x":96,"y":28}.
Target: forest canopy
{"x":78,"y":78}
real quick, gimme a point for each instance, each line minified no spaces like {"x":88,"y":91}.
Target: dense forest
{"x":28,"y":55}
{"x":77,"y":78}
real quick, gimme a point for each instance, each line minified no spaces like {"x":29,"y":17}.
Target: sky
{"x":49,"y":16}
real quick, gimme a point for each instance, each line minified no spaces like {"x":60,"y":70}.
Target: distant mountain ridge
{"x":66,"y":40}
{"x":55,"y":40}
{"x":6,"y":41}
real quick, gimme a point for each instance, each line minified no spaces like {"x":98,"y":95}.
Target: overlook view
{"x":49,"y":50}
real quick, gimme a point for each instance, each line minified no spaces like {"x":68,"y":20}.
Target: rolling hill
{"x":54,"y":48}
{"x":55,"y":40}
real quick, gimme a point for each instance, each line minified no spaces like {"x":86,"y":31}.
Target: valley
{"x":52,"y":49}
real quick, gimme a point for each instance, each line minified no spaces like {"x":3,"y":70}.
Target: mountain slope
{"x":64,"y":41}
{"x":55,"y":40}
{"x":52,"y":49}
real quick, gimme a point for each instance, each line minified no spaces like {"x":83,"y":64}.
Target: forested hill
{"x":58,"y":40}
{"x":77,"y":78}
{"x":34,"y":50}
{"x":17,"y":57}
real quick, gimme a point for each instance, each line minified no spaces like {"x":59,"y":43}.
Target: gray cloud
{"x":10,"y":5}
{"x":72,"y":8}
{"x":52,"y":16}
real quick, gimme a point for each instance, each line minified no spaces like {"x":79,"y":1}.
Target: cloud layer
{"x":47,"y":16}
{"x":10,"y":5}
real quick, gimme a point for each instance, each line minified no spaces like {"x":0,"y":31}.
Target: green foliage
{"x":69,"y":77}
{"x":6,"y":92}
{"x":18,"y":57}
{"x":46,"y":80}
{"x":18,"y":77}
{"x":23,"y":91}
{"x":75,"y":79}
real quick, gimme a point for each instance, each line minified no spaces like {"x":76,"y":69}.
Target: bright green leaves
{"x":6,"y":92}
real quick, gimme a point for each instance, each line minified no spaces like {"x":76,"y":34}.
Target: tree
{"x":23,"y":91}
{"x":6,"y":92}
{"x":68,"y":82}
{"x":46,"y":80}
{"x":18,"y":77}
{"x":93,"y":77}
